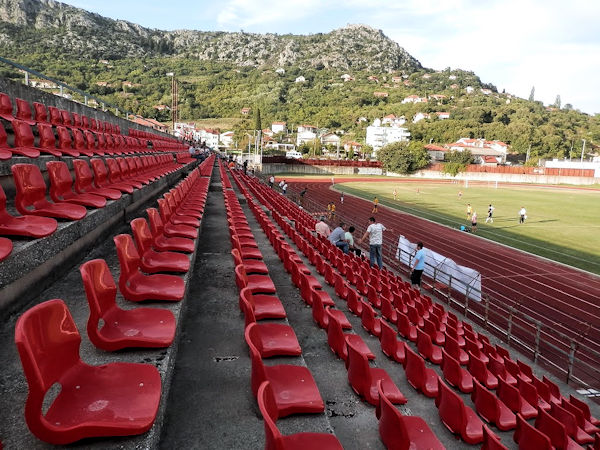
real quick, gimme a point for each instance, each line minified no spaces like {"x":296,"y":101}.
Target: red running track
{"x":562,"y":297}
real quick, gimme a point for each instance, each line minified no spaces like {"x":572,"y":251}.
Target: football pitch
{"x":563,"y":223}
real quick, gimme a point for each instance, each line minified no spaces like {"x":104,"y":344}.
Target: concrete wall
{"x":320,"y":170}
{"x":507,"y":178}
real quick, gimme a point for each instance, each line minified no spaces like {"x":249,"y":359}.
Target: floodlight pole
{"x":582,"y":150}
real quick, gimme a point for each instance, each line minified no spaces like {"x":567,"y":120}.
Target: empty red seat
{"x":61,"y":187}
{"x":406,"y":329}
{"x":83,"y":182}
{"x":138,"y":327}
{"x":5,"y":150}
{"x":400,"y":432}
{"x":585,"y":408}
{"x":369,"y":321}
{"x":152,"y":261}
{"x":161,"y":242}
{"x":31,"y":226}
{"x":55,"y":116}
{"x":455,"y":350}
{"x":65,"y":142}
{"x":364,"y":379}
{"x":437,"y":337}
{"x":136,"y":286}
{"x":6,"y":248}
{"x":422,"y":378}
{"x":298,"y":441}
{"x":6,"y":107}
{"x":336,"y":338}
{"x":264,"y":306}
{"x":491,"y":441}
{"x":582,"y":422}
{"x":456,"y":375}
{"x":31,"y":195}
{"x":115,"y":177}
{"x":318,"y":311}
{"x":426,"y":348}
{"x":354,"y":302}
{"x":24,"y":112}
{"x":492,"y":409}
{"x":390,"y":345}
{"x":569,"y":421}
{"x":41,"y":113}
{"x":116,"y":399}
{"x":480,"y":372}
{"x":294,"y":388}
{"x":530,"y":438}
{"x":257,"y":283}
{"x":273,"y":339}
{"x":101,"y":177}
{"x":514,"y":401}
{"x":388,"y":311}
{"x":80,"y":143}
{"x":24,"y":141}
{"x":529,"y":392}
{"x":555,"y":430}
{"x":458,"y":418}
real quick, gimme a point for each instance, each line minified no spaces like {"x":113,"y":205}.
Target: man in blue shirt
{"x":338,"y":237}
{"x":418,"y":265}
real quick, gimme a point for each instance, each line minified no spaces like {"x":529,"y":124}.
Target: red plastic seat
{"x":555,"y":430}
{"x":61,"y":187}
{"x":491,"y":441}
{"x":406,"y":329}
{"x":480,"y":372}
{"x":341,"y":287}
{"x":139,"y":327}
{"x":80,"y":143}
{"x":584,"y":407}
{"x":582,"y":422}
{"x":294,"y":387}
{"x":6,"y":108}
{"x":31,"y":226}
{"x":24,"y":141}
{"x":458,"y":418}
{"x":456,"y":375}
{"x":163,"y":243}
{"x":364,"y":379}
{"x":41,"y":113}
{"x":257,"y":283}
{"x":24,"y":112}
{"x":369,"y":321}
{"x":400,"y":432}
{"x":264,"y":306}
{"x":354,"y":302}
{"x":299,"y":441}
{"x":554,"y":390}
{"x":31,"y":193}
{"x":252,"y":266}
{"x":437,"y":337}
{"x":83,"y":182}
{"x":152,"y":261}
{"x":388,"y":311}
{"x":569,"y":421}
{"x":512,"y":399}
{"x":422,"y":378}
{"x":530,"y":438}
{"x":529,"y":392}
{"x":373,"y":296}
{"x":453,"y":348}
{"x":492,"y":409}
{"x":115,"y":177}
{"x":426,"y":348}
{"x":273,"y":339}
{"x":116,"y":399}
{"x":318,"y":312}
{"x":6,"y":248}
{"x":136,"y":286}
{"x":55,"y":117}
{"x":101,"y":177}
{"x":336,"y":338}
{"x":65,"y":142}
{"x":390,"y":345}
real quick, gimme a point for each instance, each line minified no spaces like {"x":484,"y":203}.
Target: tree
{"x":257,"y":121}
{"x":456,"y":162}
{"x":403,"y":157}
{"x":532,"y":95}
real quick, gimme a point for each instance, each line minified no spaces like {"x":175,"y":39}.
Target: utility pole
{"x":174,"y":100}
{"x":528,"y":151}
{"x":582,"y":150}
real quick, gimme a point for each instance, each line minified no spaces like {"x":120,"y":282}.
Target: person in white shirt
{"x":321,"y":228}
{"x":522,"y":215}
{"x":490,"y":217}
{"x":350,"y":239}
{"x":271,"y":181}
{"x":375,"y":234}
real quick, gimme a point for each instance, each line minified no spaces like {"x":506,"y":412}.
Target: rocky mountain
{"x":50,"y":26}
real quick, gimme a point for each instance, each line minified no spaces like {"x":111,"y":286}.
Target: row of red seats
{"x":71,"y":142}
{"x":115,"y":399}
{"x":373,"y":384}
{"x":456,"y":375}
{"x":123,"y":175}
{"x":52,"y":116}
{"x":280,"y":390}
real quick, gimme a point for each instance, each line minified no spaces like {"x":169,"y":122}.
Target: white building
{"x":420,"y":116}
{"x":482,"y":150}
{"x":393,"y":121}
{"x":306,"y":135}
{"x":378,"y":136}
{"x":279,"y":127}
{"x":300,"y":79}
{"x":227,"y":139}
{"x":414,"y":99}
{"x":211,"y":137}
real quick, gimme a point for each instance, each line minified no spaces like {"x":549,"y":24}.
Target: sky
{"x":551,"y":45}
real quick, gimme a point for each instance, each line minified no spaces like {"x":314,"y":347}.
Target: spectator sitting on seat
{"x":321,"y":228}
{"x":338,"y":237}
{"x":350,"y":239}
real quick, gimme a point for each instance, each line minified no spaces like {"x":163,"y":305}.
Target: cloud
{"x":238,"y":14}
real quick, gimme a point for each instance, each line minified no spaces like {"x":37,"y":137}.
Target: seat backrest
{"x":486,"y":403}
{"x":3,"y":137}
{"x":30,"y":186}
{"x":101,"y":140}
{"x":552,"y":428}
{"x":491,"y":441}
{"x":100,"y":290}
{"x":41,"y":113}
{"x":66,"y":117}
{"x":76,"y":120}
{"x":141,"y":235}
{"x":335,"y":335}
{"x":530,"y":438}
{"x":269,"y":411}
{"x":451,"y":408}
{"x":23,"y":110}
{"x":100,"y":172}
{"x":83,"y":175}
{"x":124,"y":167}
{"x":528,"y":391}
{"x":392,"y":428}
{"x":565,"y":417}
{"x":48,"y":344}
{"x":64,"y":137}
{"x":252,"y":333}
{"x":247,"y":308}
{"x":55,"y":116}
{"x":388,"y":338}
{"x":579,"y":416}
{"x":241,"y":278}
{"x":90,"y":140}
{"x":450,"y":368}
{"x":258,"y":374}
{"x":60,"y":180}
{"x":509,"y":395}
{"x":47,"y":138}
{"x":23,"y":134}
{"x":414,"y":367}
{"x":129,"y":259}
{"x":6,"y":107}
{"x":79,"y":139}
{"x":156,"y":224}
{"x":359,"y":373}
